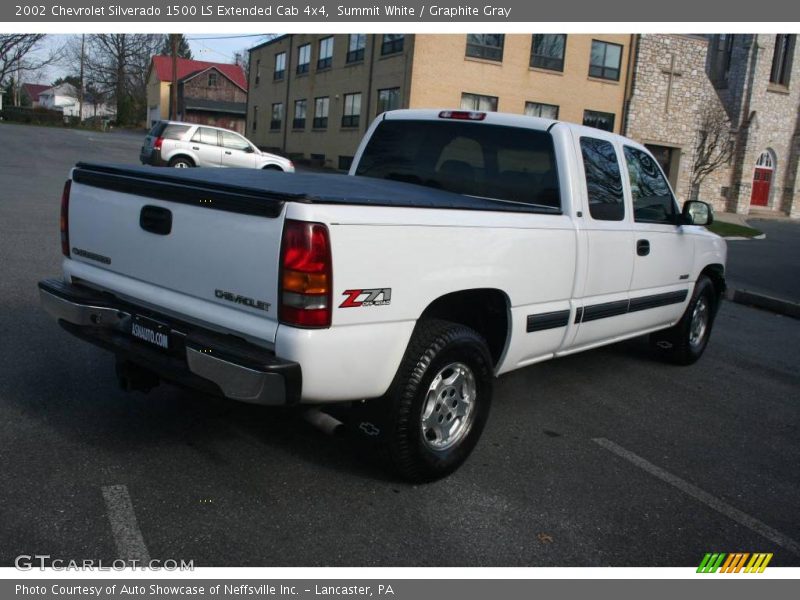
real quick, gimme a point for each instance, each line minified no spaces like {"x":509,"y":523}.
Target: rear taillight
{"x":65,"y":218}
{"x":157,"y":143}
{"x":462,"y":115}
{"x":306,"y":275}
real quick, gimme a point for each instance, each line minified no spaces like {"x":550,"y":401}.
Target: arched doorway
{"x":762,"y":179}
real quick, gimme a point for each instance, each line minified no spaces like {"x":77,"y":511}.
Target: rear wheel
{"x":434,"y":412}
{"x":181,"y":162}
{"x":685,"y":342}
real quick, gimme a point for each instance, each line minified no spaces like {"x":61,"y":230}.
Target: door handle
{"x":642,"y":247}
{"x":227,"y":151}
{"x":195,"y":148}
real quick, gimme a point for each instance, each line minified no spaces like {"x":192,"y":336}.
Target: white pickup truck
{"x":462,"y":245}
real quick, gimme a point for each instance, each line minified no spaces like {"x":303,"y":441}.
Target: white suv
{"x":184,"y":145}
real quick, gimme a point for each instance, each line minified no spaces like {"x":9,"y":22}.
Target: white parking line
{"x":695,"y":492}
{"x":128,"y":538}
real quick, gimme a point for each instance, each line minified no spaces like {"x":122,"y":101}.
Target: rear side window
{"x":603,"y":180}
{"x":172,"y":131}
{"x":652,"y":198}
{"x":204,"y":135}
{"x":476,"y":159}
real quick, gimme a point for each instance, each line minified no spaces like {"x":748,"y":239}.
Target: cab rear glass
{"x":511,"y":164}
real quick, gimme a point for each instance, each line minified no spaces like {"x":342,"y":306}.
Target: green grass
{"x":732,"y":230}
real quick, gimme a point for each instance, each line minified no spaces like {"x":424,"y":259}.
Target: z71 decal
{"x":370,"y":297}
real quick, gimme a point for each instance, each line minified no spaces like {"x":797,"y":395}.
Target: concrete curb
{"x":770,"y":303}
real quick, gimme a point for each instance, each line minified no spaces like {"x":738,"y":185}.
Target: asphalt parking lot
{"x":604,"y":458}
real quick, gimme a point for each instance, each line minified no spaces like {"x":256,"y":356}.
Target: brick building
{"x":313,"y":96}
{"x":208,"y":93}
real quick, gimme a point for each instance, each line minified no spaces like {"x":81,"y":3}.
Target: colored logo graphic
{"x":734,"y":563}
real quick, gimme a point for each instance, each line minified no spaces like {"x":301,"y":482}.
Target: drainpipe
{"x":630,"y":81}
{"x":288,"y":85}
{"x":369,"y":82}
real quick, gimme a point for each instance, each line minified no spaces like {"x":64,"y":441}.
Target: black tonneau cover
{"x":263,"y":192}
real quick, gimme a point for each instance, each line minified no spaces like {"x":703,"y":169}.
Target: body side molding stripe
{"x":550,"y":320}
{"x":560,"y":318}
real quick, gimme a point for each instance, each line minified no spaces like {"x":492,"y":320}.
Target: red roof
{"x":163,"y":67}
{"x":34,"y":89}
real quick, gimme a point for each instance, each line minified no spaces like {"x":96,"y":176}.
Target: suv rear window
{"x":170,"y":131}
{"x":475,"y":159}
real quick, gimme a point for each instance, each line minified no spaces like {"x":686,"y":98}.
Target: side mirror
{"x":250,"y":150}
{"x":696,"y":212}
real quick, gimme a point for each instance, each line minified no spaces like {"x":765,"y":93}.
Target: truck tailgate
{"x":213,"y":244}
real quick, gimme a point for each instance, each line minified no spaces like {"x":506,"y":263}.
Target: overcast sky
{"x":211,"y":47}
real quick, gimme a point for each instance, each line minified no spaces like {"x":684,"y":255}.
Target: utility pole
{"x":173,"y":91}
{"x":82,"y":87}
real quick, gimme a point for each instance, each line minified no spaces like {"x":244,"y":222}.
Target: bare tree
{"x":117,"y":64}
{"x":20,"y":55}
{"x":714,"y":146}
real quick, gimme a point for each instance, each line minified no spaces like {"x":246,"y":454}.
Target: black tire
{"x":272,"y":168}
{"x":681,"y":343}
{"x":395,"y":422}
{"x":181,"y":162}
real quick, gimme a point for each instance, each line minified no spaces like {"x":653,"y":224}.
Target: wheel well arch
{"x":716,"y":273}
{"x":178,"y":155}
{"x":271,"y":167}
{"x":486,"y":310}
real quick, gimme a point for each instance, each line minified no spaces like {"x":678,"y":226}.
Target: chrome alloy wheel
{"x":699,"y":323}
{"x":449,"y":408}
{"x":181,"y":165}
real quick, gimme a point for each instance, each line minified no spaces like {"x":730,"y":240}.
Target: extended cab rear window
{"x":475,"y":159}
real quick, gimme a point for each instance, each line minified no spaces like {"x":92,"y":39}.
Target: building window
{"x":300,"y":107}
{"x":258,"y":71}
{"x":392,"y":43}
{"x":280,"y":66}
{"x":485,"y":45}
{"x":599,"y":120}
{"x":539,"y":109}
{"x":652,"y":198}
{"x":277,"y":116}
{"x":606,"y":60}
{"x":547,"y":51}
{"x":603,"y":180}
{"x":255,"y":118}
{"x":478,"y":102}
{"x":721,"y":52}
{"x":325,"y":59}
{"x":212,"y":79}
{"x":782,"y":59}
{"x":388,"y":99}
{"x":303,"y":58}
{"x":355,"y":47}
{"x":321,"y":106}
{"x":352,"y":110}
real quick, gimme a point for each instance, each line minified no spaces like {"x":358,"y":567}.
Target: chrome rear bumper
{"x":235,"y":368}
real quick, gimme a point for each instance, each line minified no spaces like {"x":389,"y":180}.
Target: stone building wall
{"x":652,"y":121}
{"x":767,"y":119}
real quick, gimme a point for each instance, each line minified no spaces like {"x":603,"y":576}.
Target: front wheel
{"x":685,"y":342}
{"x":435,"y":410}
